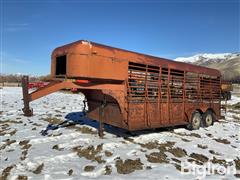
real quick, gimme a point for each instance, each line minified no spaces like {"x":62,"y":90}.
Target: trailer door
{"x":152,"y":103}
{"x":176,"y":100}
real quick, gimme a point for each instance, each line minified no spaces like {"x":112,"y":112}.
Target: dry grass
{"x":53,"y":120}
{"x":89,"y":168}
{"x":232,"y":111}
{"x":237,"y":163}
{"x":90,"y":153}
{"x":6,"y":172}
{"x":236,"y":106}
{"x":70,"y":172}
{"x":164,"y":147}
{"x":128,"y":166}
{"x":199,"y":157}
{"x":108,"y":170}
{"x":195,"y":135}
{"x":22,"y":177}
{"x":108,"y":153}
{"x":209,"y":135}
{"x":8,"y":142}
{"x":236,"y":117}
{"x":13,"y":132}
{"x":161,"y":157}
{"x":34,"y":128}
{"x":213,"y":152}
{"x":237,"y":175}
{"x":56,"y":147}
{"x":10,"y":122}
{"x":195,"y":161}
{"x":36,"y":124}
{"x":39,"y":169}
{"x":156,"y":145}
{"x":157,"y":157}
{"x":24,"y":146}
{"x":24,"y":142}
{"x":4,"y":130}
{"x":185,"y":140}
{"x":178,"y":152}
{"x":191,"y":134}
{"x":151,"y":145}
{"x":219,"y":161}
{"x":223,"y":141}
{"x":177,"y":166}
{"x":202,"y":146}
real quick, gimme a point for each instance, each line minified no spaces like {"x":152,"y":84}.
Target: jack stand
{"x":101,"y":116}
{"x":26,"y":99}
{"x":85,"y":106}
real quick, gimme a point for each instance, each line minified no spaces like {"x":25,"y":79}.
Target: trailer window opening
{"x":210,"y":87}
{"x":164,"y":84}
{"x":61,"y":65}
{"x":136,"y":81}
{"x":176,"y":85}
{"x":192,"y":86}
{"x":144,"y":84}
{"x":152,"y":82}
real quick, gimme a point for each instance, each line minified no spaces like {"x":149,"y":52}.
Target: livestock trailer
{"x":131,"y":90}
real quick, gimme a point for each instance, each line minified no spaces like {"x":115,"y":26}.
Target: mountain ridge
{"x":227,"y":63}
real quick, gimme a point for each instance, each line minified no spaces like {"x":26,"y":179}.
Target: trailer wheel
{"x":196,"y":120}
{"x":208,"y":118}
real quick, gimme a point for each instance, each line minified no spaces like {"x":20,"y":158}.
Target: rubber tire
{"x":208,"y":118}
{"x":196,"y":120}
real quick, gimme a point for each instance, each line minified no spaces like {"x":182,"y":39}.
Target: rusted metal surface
{"x":138,"y":91}
{"x":37,"y":85}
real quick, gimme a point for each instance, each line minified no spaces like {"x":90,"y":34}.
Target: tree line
{"x":16,"y":78}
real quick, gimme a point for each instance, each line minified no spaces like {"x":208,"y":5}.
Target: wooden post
{"x":26,"y":99}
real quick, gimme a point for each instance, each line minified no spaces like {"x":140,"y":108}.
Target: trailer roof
{"x":149,"y":59}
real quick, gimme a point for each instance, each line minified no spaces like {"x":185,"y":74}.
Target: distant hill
{"x":227,"y":63}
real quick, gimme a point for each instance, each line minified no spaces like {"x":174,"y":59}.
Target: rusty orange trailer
{"x":132,"y":90}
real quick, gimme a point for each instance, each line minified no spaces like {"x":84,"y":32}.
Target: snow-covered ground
{"x":76,"y":152}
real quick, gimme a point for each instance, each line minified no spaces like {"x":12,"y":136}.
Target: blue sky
{"x":30,"y":29}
